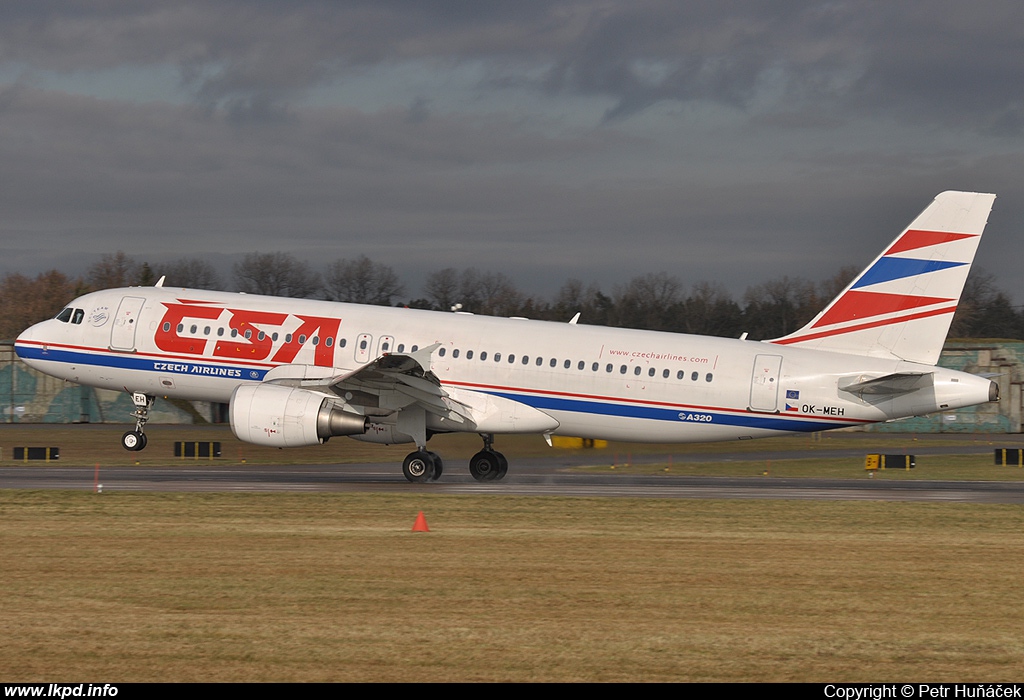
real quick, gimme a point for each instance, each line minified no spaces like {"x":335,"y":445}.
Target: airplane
{"x":299,"y":371}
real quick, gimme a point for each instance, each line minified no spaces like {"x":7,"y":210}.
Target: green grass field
{"x":120,"y":587}
{"x":335,"y":587}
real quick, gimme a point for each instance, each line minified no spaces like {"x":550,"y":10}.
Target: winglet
{"x":901,"y":305}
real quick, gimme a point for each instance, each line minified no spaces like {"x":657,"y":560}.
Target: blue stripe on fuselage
{"x":675,"y":415}
{"x":145,"y":364}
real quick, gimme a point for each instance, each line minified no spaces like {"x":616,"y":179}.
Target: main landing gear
{"x":422,"y":465}
{"x":135,"y":440}
{"x":486,"y":465}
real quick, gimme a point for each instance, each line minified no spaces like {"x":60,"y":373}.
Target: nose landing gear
{"x":135,"y":440}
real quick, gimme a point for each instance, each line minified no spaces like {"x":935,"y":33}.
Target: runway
{"x":530,"y":477}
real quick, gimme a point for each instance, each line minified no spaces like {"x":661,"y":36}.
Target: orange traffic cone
{"x":421,"y":524}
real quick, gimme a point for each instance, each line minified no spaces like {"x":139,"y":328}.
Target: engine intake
{"x":282,"y":416}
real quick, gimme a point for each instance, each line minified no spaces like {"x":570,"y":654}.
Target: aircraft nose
{"x":26,"y":341}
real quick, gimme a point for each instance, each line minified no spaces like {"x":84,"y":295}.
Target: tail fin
{"x":902,"y":304}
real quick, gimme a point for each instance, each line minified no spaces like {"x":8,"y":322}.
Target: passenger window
{"x":167,"y":326}
{"x":414,"y":348}
{"x":511,"y":358}
{"x":362,"y":344}
{"x":665,"y":374}
{"x":330,"y":341}
{"x":693,"y":377}
{"x":622,"y":369}
{"x":608,"y":367}
{"x":302,"y":339}
{"x":553,"y":362}
{"x":206,"y":331}
{"x":469,"y":354}
{"x":526,"y":359}
{"x":342,"y":343}
{"x":650,"y":372}
{"x":288,"y":338}
{"x":497,"y":357}
{"x":316,"y":340}
{"x":708,"y":378}
{"x":680,"y":374}
{"x":401,"y":347}
{"x":455,"y":353}
{"x":441,"y":352}
{"x":181,"y":328}
{"x":220,"y":332}
{"x":192,"y":329}
{"x":483,"y":355}
{"x":261,"y":335}
{"x":248,"y":332}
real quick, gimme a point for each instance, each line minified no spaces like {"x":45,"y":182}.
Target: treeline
{"x":655,"y":301}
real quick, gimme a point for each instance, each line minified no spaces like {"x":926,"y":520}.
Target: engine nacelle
{"x":383,"y":434}
{"x":283,"y":416}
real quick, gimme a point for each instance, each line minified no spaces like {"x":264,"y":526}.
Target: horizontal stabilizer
{"x":898,"y":383}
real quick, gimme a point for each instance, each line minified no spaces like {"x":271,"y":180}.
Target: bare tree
{"x":190,"y":272}
{"x":442,"y":288}
{"x":649,"y":301}
{"x":362,"y":281}
{"x":276,"y":274}
{"x":24,"y":301}
{"x":710,"y":310}
{"x":114,"y":270}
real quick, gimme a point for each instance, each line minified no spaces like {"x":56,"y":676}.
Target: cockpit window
{"x":65,"y":315}
{"x":79,"y":315}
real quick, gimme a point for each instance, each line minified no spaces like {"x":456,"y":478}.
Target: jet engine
{"x":282,"y":416}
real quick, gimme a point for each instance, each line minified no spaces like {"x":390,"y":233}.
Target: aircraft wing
{"x":388,"y":384}
{"x":393,"y":383}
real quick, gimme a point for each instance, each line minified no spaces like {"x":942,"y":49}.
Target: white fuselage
{"x":594,"y":381}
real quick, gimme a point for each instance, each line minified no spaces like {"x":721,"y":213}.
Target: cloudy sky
{"x":726,"y":141}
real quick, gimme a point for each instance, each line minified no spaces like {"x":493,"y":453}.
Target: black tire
{"x":133,"y":441}
{"x":485,"y":465}
{"x":438,"y":465}
{"x":502,"y":467}
{"x":418,"y":467}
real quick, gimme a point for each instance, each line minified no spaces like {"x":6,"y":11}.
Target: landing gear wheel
{"x":438,"y":465}
{"x":485,"y":465}
{"x":418,"y":466}
{"x":133,"y":441}
{"x":502,"y":467}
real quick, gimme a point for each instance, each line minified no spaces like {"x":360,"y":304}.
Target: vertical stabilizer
{"x":902,"y":304}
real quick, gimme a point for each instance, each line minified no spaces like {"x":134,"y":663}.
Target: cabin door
{"x":122,"y":333}
{"x":764,"y":383}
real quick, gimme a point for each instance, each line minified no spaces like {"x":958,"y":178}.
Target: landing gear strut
{"x":135,"y":440}
{"x":488,"y":465}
